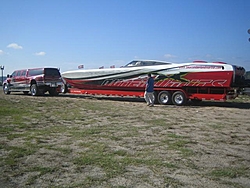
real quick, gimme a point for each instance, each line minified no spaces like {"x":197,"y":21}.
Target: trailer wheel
{"x":179,"y":98}
{"x":164,"y":97}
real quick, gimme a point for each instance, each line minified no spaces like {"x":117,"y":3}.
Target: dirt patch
{"x":82,"y":141}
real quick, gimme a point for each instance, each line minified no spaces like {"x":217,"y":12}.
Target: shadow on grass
{"x":244,"y":102}
{"x":228,"y":104}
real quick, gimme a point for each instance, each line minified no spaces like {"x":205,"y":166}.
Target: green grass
{"x":178,"y":143}
{"x":39,"y":171}
{"x":6,"y":130}
{"x":96,"y":134}
{"x":113,"y":162}
{"x":230,"y":172}
{"x":16,"y":153}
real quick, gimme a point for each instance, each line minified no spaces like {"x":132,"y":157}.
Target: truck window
{"x":23,"y":73}
{"x":13,"y":74}
{"x":34,"y":72}
{"x":18,"y":73}
{"x":51,"y":72}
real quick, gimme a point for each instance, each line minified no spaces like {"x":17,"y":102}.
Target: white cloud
{"x":1,"y":52}
{"x":168,"y":56}
{"x":40,"y":53}
{"x":14,"y":46}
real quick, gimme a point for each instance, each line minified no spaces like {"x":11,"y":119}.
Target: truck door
{"x":23,"y":80}
{"x":17,"y":80}
{"x":12,"y":80}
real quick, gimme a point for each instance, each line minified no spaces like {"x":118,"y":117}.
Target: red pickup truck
{"x":34,"y":81}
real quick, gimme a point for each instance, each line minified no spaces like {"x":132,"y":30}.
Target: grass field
{"x":80,"y":141}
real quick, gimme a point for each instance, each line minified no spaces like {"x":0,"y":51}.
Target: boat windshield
{"x":145,"y":63}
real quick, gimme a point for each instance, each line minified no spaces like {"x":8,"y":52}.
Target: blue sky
{"x":68,"y":33}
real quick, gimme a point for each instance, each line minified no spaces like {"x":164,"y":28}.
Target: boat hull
{"x":171,"y":76}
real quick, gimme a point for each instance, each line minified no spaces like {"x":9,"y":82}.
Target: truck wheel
{"x":164,"y":97}
{"x":34,"y":90}
{"x":6,"y":89}
{"x":64,"y":88}
{"x":179,"y":98}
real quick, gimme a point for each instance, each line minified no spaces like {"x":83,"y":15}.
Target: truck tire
{"x":6,"y":89}
{"x":64,"y":88}
{"x":34,"y":90}
{"x":179,"y":98}
{"x":164,"y":97}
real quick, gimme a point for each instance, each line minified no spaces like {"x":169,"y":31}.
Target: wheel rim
{"x":178,"y":99}
{"x":33,"y":91}
{"x":63,"y":89}
{"x":5,"y":89}
{"x":164,"y":98}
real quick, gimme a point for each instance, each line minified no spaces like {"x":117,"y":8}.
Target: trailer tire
{"x":164,"y":97}
{"x":179,"y":98}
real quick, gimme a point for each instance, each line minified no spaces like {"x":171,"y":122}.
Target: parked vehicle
{"x":34,"y":81}
{"x":174,"y":83}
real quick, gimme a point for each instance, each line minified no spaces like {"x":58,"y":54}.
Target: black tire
{"x":179,"y":98}
{"x":34,"y":90}
{"x":164,"y":97}
{"x":64,"y":88}
{"x":6,"y":89}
